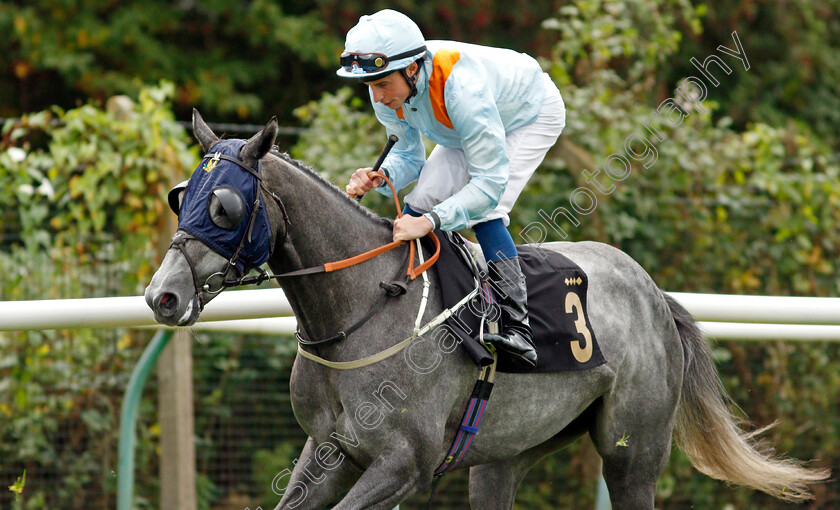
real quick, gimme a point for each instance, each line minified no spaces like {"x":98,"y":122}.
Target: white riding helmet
{"x":379,"y":44}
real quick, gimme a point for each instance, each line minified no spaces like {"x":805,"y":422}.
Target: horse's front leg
{"x":320,"y":475}
{"x":390,"y":479}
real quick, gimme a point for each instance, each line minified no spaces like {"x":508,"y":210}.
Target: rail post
{"x":128,"y":417}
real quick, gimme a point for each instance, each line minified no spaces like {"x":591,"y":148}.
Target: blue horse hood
{"x":194,"y":217}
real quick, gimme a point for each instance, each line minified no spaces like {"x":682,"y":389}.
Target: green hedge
{"x":83,"y":193}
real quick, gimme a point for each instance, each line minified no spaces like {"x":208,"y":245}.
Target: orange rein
{"x":412,"y":272}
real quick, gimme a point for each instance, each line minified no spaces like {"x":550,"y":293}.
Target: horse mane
{"x":325,"y":184}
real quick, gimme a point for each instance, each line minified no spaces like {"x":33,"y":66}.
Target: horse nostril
{"x":168,"y":304}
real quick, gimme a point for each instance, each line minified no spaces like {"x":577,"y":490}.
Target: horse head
{"x":225,"y":225}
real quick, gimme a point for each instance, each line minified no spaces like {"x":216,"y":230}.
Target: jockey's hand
{"x":360,"y":183}
{"x":408,"y":227}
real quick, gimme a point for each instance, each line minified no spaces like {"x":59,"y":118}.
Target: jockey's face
{"x":392,"y":90}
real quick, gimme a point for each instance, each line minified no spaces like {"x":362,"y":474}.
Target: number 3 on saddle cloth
{"x":561,"y":331}
{"x":562,"y":334}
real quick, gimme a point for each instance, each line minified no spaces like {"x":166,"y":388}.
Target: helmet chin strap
{"x":411,"y":80}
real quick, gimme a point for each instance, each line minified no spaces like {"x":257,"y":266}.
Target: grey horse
{"x":377,"y":433}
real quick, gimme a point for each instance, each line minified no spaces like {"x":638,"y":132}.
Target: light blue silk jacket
{"x":468,"y":97}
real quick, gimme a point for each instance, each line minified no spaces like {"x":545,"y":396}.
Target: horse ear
{"x":205,"y":136}
{"x":259,"y":144}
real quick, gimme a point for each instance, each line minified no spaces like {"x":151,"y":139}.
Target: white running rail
{"x":267,"y":311}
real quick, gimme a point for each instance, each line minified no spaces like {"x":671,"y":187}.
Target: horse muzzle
{"x":171,"y":294}
{"x":170,"y":309}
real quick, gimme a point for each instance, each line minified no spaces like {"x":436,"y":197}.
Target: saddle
{"x":557,"y":288}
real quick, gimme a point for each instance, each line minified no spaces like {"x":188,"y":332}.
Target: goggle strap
{"x":410,"y":53}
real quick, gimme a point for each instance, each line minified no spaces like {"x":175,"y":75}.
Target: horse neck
{"x":325,"y":226}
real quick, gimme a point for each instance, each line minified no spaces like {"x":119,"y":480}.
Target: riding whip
{"x":391,"y":141}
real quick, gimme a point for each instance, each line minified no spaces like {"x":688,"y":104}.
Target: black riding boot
{"x":515,"y":338}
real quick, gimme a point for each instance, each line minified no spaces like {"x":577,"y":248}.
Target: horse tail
{"x":709,"y":434}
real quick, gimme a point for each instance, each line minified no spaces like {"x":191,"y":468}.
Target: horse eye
{"x":226,"y":207}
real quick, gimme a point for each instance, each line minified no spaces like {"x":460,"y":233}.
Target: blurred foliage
{"x":227,"y":57}
{"x":86,"y":186}
{"x":504,"y":23}
{"x":794,"y":49}
{"x":749,"y":211}
{"x":742,"y":199}
{"x":341,"y":132}
{"x":84,"y":190}
{"x":232,"y":60}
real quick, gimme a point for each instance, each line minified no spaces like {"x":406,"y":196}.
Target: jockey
{"x":493,"y":114}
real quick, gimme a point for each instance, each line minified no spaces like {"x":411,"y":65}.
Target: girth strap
{"x":471,"y":420}
{"x":469,"y":424}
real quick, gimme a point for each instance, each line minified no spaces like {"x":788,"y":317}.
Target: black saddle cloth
{"x":565,"y":340}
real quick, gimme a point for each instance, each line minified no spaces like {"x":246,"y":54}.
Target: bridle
{"x":222,"y":279}
{"x":180,"y":238}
